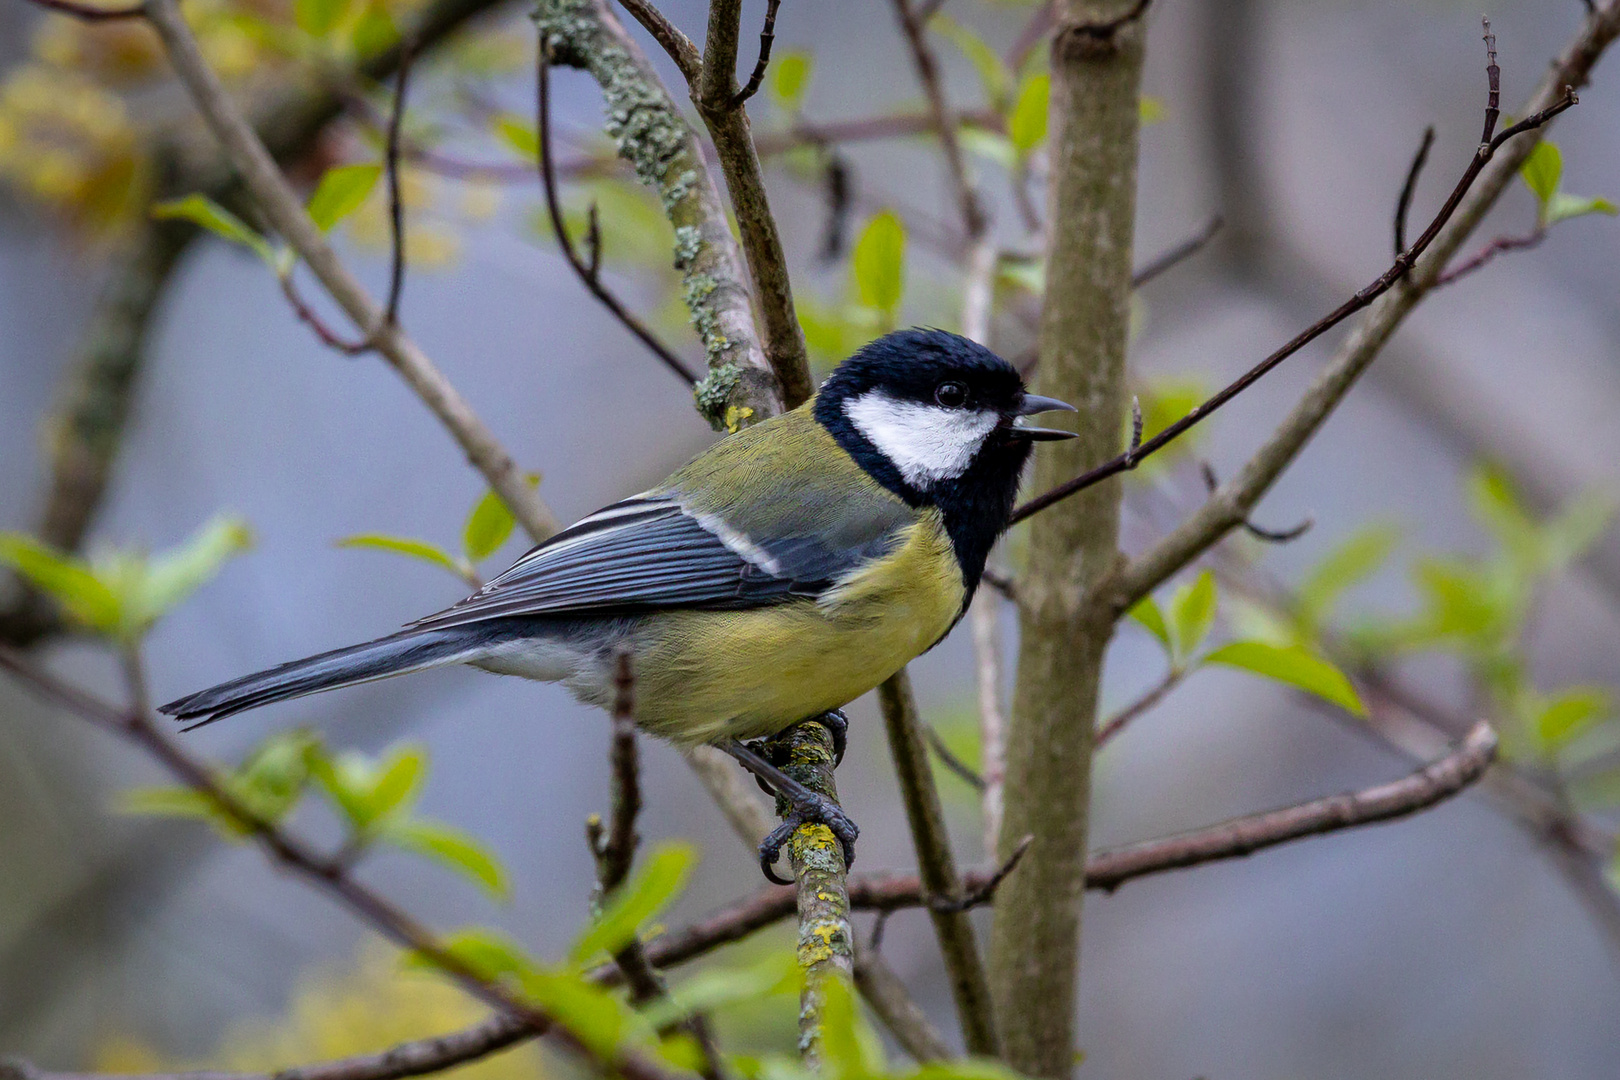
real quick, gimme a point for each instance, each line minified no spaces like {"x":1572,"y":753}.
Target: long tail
{"x":409,"y":650}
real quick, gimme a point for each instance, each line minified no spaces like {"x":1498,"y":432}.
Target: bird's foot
{"x":807,"y":808}
{"x":775,"y":748}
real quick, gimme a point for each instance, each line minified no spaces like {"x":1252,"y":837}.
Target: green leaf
{"x":1563,"y":206}
{"x":1026,"y":127}
{"x":398,"y":782}
{"x":1349,"y":564}
{"x":1294,"y":665}
{"x":992,"y":71}
{"x":416,"y":549}
{"x":990,"y":145}
{"x":201,"y":210}
{"x":1150,"y":617}
{"x":341,"y":191}
{"x":1541,"y":172}
{"x":718,"y":988}
{"x":849,"y":1050}
{"x":317,"y":17}
{"x":490,"y":523}
{"x":275,"y":775}
{"x":176,"y":802}
{"x":519,"y":134}
{"x":879,"y":262}
{"x":1192,"y":613}
{"x":85,"y":598}
{"x":790,"y":78}
{"x":451,"y":848}
{"x":596,"y":1017}
{"x":1570,"y":713}
{"x":177,"y":573}
{"x":490,"y":953}
{"x":661,"y":878}
{"x":1151,"y":110}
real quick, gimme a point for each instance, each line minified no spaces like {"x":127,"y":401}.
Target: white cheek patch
{"x":927,"y":443}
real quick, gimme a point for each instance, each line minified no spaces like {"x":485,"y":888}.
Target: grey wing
{"x":649,"y":552}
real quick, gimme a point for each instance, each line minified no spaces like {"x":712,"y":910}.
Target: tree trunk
{"x":1096,"y":74}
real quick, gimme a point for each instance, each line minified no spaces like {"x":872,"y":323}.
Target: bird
{"x":782,"y":573}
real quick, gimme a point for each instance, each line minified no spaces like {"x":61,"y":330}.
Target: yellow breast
{"x":705,"y":675}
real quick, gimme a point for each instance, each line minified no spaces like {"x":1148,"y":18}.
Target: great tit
{"x":782,"y":573}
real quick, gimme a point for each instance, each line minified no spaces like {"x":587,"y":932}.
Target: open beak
{"x":1034,"y":403}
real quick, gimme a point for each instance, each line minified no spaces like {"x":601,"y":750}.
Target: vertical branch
{"x":826,"y":947}
{"x":720,"y":103}
{"x":1096,"y":81}
{"x":741,"y":385}
{"x":922,"y":57}
{"x":969,"y":987}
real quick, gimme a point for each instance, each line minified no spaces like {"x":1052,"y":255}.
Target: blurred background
{"x":1468,"y":941}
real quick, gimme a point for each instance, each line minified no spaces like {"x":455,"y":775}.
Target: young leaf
{"x":416,"y":549}
{"x":176,"y":802}
{"x":1294,"y":665}
{"x":318,"y":17}
{"x":1542,"y":170}
{"x":1151,"y":110}
{"x":879,"y":261}
{"x":85,"y":598}
{"x":1568,"y":714}
{"x":398,"y":782}
{"x":1563,"y":206}
{"x":489,"y":953}
{"x":655,"y":885}
{"x":993,"y":146}
{"x":1150,"y":617}
{"x":453,"y":849}
{"x":719,"y":987}
{"x":489,"y":524}
{"x":274,"y":776}
{"x":1026,"y":127}
{"x":790,"y":78}
{"x":177,"y":573}
{"x":992,"y":70}
{"x":341,"y":191}
{"x":201,"y":210}
{"x":1352,"y":562}
{"x":519,"y":134}
{"x":1192,"y":613}
{"x":596,"y":1017}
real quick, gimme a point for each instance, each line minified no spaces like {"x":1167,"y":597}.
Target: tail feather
{"x":409,"y":650}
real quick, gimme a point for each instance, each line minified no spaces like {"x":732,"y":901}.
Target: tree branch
{"x":652,"y":136}
{"x":894,"y":1005}
{"x":943,"y":122}
{"x":589,"y":274}
{"x":679,"y":47}
{"x":767,"y":36}
{"x":970,"y":989}
{"x":286,"y":213}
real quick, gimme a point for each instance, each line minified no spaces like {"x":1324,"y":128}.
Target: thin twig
{"x":948,"y":758}
{"x":1493,"y":79}
{"x":1150,"y":697}
{"x":587,"y":272}
{"x":396,"y":198}
{"x":285,"y":210}
{"x":615,"y":848}
{"x":767,"y":35}
{"x":982,"y":894}
{"x":679,"y":47}
{"x":944,"y":124}
{"x":1403,"y":205}
{"x":324,"y":874}
{"x":307,"y":315}
{"x":1212,"y":484}
{"x":91,"y":13}
{"x":1397,"y":272}
{"x":1499,"y":246}
{"x":1178,"y":254}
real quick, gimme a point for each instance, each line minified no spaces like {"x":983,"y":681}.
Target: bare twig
{"x":1241,"y":836}
{"x":1493,"y":79}
{"x":944,"y":123}
{"x":1212,"y":484}
{"x":679,"y":47}
{"x":91,"y":13}
{"x":1501,"y":245}
{"x":767,"y":35}
{"x":307,"y":315}
{"x":948,"y":758}
{"x":1403,"y":205}
{"x":743,"y":384}
{"x":1178,"y":254}
{"x":1151,"y":697}
{"x":615,"y":848}
{"x":396,"y":198}
{"x":285,"y":211}
{"x":326,"y":875}
{"x":588,"y":272}
{"x":1461,"y":214}
{"x":963,"y":963}
{"x":983,"y":893}
{"x":1397,"y":272}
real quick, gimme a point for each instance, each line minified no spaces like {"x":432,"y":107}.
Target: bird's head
{"x":934,"y":417}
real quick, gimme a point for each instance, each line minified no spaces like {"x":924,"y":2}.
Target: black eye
{"x":952,"y":395}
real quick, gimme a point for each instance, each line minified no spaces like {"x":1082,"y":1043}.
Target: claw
{"x":810,"y":809}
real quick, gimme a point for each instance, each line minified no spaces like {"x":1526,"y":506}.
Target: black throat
{"x":976,"y":506}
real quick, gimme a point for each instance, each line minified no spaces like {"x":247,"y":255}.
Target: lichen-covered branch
{"x":651,"y":135}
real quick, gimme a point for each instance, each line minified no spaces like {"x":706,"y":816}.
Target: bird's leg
{"x":804,"y":807}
